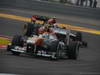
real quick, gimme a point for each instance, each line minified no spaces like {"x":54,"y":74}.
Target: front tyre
{"x":73,"y":50}
{"x":18,"y":40}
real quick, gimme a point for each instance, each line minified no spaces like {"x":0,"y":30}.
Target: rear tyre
{"x":73,"y":50}
{"x":84,"y":44}
{"x":28,"y":29}
{"x":79,"y":36}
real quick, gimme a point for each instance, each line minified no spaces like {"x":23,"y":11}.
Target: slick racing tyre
{"x":79,"y":36}
{"x":28,"y":29}
{"x":84,"y":44}
{"x":73,"y":50}
{"x":18,"y":41}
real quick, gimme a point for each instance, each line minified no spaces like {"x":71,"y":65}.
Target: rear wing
{"x":42,"y":18}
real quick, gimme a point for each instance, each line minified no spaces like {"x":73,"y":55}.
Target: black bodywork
{"x":67,"y":44}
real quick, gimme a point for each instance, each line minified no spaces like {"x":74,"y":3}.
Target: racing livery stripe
{"x":71,"y":27}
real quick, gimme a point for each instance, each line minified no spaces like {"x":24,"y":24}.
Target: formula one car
{"x":61,"y":43}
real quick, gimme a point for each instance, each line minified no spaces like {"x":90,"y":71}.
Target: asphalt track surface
{"x":89,"y":58}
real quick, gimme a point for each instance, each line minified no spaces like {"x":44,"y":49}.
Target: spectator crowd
{"x":90,"y":3}
{"x":86,"y":3}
